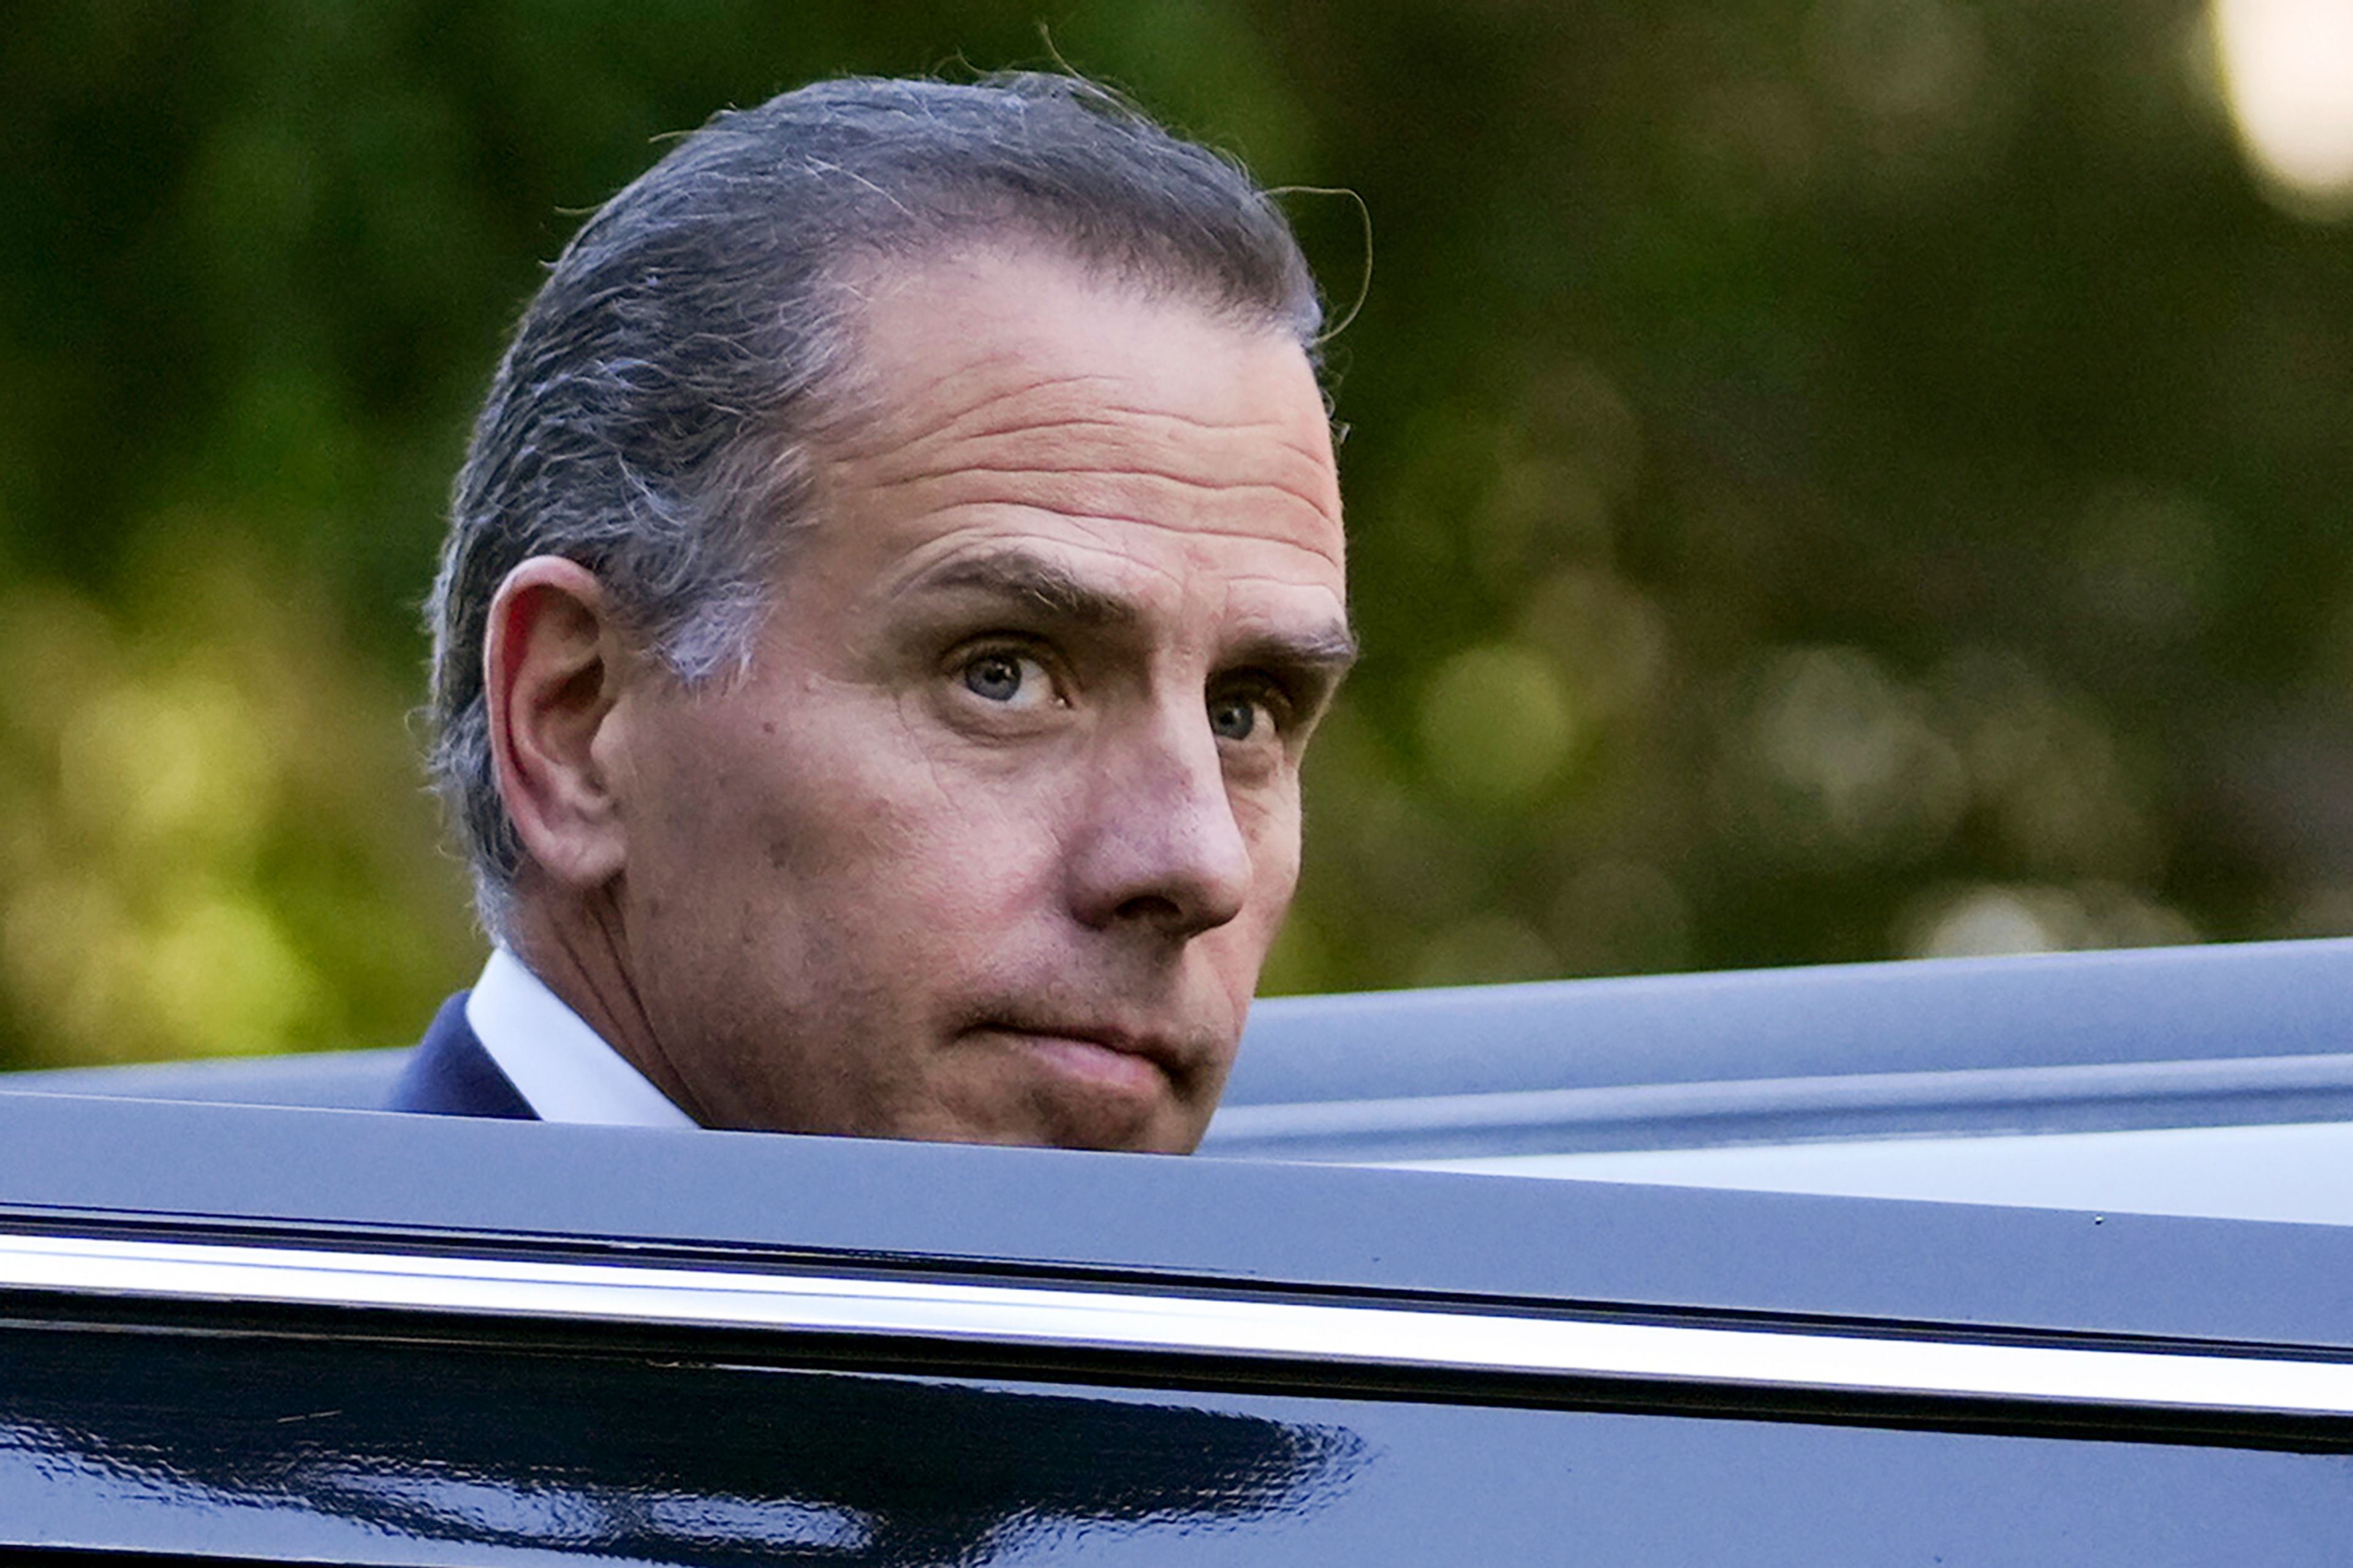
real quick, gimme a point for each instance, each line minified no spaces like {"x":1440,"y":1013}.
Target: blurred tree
{"x":1829,"y":479}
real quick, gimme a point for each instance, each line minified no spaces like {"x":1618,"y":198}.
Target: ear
{"x":553,"y":661}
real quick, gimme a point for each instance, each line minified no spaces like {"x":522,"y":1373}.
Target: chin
{"x":1018,"y":1087}
{"x":1067,"y":1120}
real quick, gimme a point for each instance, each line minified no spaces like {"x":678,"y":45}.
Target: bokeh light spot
{"x":1840,"y":763}
{"x":1483,"y":950}
{"x":2287,"y":75}
{"x":222,"y":977}
{"x":1988,"y":920}
{"x":177,"y":765}
{"x":1495,"y":725}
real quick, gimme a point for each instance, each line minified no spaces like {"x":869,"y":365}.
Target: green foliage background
{"x":1829,"y":479}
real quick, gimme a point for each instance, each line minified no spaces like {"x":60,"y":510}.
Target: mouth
{"x":1106,"y":1059}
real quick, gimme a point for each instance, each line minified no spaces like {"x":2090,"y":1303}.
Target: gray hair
{"x":652,"y":418}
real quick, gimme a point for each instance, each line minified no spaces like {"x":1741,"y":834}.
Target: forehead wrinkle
{"x":1193,"y":528}
{"x":945,"y":412}
{"x":1269,"y":579}
{"x":942,"y":409}
{"x":935,"y":559}
{"x":1083,"y":484}
{"x":1120,"y":425}
{"x":1068,"y":402}
{"x":1067,"y":396}
{"x":1140,"y":418}
{"x":1108,"y":441}
{"x":982,"y":472}
{"x":1083,"y":413}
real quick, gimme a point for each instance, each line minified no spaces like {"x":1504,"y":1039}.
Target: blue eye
{"x":1233,"y":718}
{"x":1009,"y":679}
{"x":995,"y":676}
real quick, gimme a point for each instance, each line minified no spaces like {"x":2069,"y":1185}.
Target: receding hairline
{"x":861,"y":278}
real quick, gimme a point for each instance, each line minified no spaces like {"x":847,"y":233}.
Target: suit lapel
{"x":451,"y":1074}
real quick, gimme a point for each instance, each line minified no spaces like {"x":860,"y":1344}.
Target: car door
{"x":277,"y":1334}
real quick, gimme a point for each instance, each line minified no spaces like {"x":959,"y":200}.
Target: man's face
{"x":991,"y":840}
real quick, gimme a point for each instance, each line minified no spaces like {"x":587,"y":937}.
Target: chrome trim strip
{"x":1061,"y":1317}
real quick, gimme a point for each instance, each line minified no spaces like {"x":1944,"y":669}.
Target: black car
{"x":295,"y":1332}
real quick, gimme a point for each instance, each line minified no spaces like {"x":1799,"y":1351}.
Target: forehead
{"x":1009,"y":394}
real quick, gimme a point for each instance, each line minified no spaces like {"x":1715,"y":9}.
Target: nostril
{"x":1151,"y":908}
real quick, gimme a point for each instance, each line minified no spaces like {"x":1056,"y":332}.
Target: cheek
{"x":1269,"y":823}
{"x":904,"y":847}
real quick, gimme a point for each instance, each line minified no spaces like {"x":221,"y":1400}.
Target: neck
{"x":578,"y":946}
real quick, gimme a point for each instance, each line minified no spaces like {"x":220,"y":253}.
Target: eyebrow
{"x":1038,"y":583}
{"x":1041,"y":584}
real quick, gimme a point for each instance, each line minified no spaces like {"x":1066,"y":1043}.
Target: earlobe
{"x":553,"y":660}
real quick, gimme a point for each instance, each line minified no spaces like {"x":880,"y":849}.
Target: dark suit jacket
{"x":451,"y":1074}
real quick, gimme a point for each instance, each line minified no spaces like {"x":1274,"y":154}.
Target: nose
{"x":1160,"y":848}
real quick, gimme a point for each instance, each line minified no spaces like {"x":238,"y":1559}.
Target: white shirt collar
{"x":559,"y":1066}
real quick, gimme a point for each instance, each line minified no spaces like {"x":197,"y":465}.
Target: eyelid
{"x":1283,"y":705}
{"x":965,"y":649}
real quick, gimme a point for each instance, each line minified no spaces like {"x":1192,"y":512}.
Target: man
{"x":896,"y":573}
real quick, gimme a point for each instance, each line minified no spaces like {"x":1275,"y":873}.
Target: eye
{"x":1006,"y":676}
{"x":1252,"y":710}
{"x":1233,"y":718}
